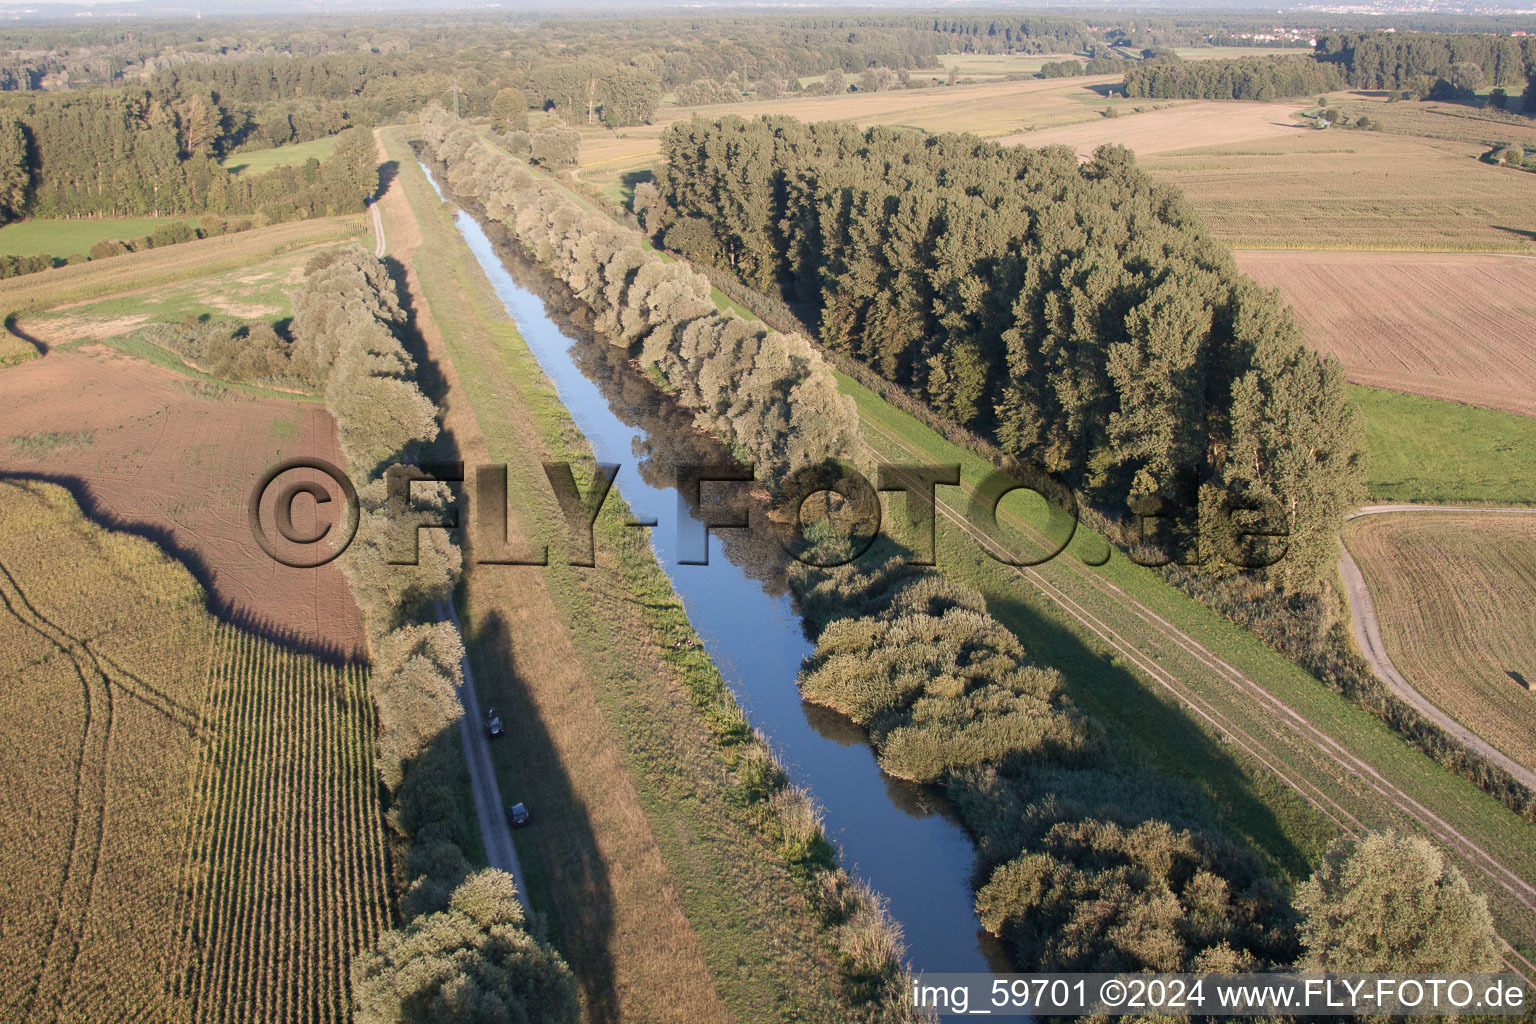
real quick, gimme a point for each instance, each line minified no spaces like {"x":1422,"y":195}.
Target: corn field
{"x":285,"y":878}
{"x":189,"y":825}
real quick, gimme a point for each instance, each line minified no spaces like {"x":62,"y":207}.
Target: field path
{"x":495,"y":833}
{"x":1368,"y":635}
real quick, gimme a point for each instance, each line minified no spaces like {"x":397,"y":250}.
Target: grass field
{"x":295,"y":154}
{"x":61,"y":238}
{"x":1445,"y":325}
{"x":178,"y":793}
{"x":139,"y":271}
{"x":1452,"y":591}
{"x":654,"y":882}
{"x":1435,"y":452}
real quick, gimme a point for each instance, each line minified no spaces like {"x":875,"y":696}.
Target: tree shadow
{"x":1127,"y":706}
{"x":37,"y":343}
{"x":627,"y":182}
{"x":1529,"y":236}
{"x":566,"y":875}
{"x":261,"y":626}
{"x":388,"y":171}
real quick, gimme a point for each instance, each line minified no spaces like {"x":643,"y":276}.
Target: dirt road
{"x":495,"y":833}
{"x":1368,"y":635}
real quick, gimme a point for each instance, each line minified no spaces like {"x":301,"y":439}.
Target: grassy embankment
{"x":645,"y":859}
{"x":139,"y":271}
{"x":1429,"y":451}
{"x":1205,"y":699}
{"x":1127,"y":691}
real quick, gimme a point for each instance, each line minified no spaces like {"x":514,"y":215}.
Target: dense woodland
{"x":1077,"y":314}
{"x":124,"y":152}
{"x":1422,"y":65}
{"x":1243,"y":78}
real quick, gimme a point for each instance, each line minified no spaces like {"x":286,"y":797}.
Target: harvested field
{"x":1456,"y":596}
{"x":1183,"y":127}
{"x":176,"y":459}
{"x":990,"y":109}
{"x":1455,"y":326}
{"x":1342,"y":189}
{"x":178,"y":792}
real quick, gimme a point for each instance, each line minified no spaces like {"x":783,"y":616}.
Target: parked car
{"x":517,"y":815}
{"x":493,"y":724}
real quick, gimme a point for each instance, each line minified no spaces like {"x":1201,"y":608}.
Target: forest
{"x":127,"y":152}
{"x":1075,"y":314}
{"x":1242,"y":78}
{"x":1399,"y":60}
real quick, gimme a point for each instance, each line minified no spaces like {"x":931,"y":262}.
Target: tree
{"x":473,"y":963}
{"x":1390,"y":902}
{"x":835,"y":82}
{"x":509,"y":111}
{"x":15,"y":169}
{"x":557,"y":148}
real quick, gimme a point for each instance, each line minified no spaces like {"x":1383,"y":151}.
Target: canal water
{"x":904,"y":840}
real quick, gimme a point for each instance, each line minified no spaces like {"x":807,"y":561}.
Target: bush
{"x":107,"y":248}
{"x":171,"y":234}
{"x":1391,"y":903}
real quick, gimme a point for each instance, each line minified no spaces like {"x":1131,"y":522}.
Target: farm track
{"x":1276,"y":714}
{"x":1367,"y":625}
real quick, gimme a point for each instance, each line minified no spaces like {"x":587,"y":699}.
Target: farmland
{"x":1449,"y":326}
{"x":1354,"y":190}
{"x":144,"y":744}
{"x":988,"y":109}
{"x":175,"y":457}
{"x":1442,"y":586}
{"x":1185,"y":126}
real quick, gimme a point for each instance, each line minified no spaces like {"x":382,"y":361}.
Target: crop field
{"x":164,"y":772}
{"x":1455,"y":326}
{"x":285,"y":877}
{"x":177,"y":457}
{"x":1436,"y":452}
{"x":295,"y":154}
{"x":60,"y":238}
{"x":1185,"y":126}
{"x":991,"y":110}
{"x":1451,"y":590}
{"x":1343,"y":189}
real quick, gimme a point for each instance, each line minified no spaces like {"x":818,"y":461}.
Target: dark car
{"x":517,"y":815}
{"x":493,"y":724}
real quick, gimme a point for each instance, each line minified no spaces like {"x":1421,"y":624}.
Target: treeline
{"x":1073,"y":68}
{"x":1089,"y":861}
{"x":769,"y":392}
{"x":1397,"y":60}
{"x":1075,"y":314}
{"x":462,"y":943}
{"x":124,"y":153}
{"x":1242,"y":78}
